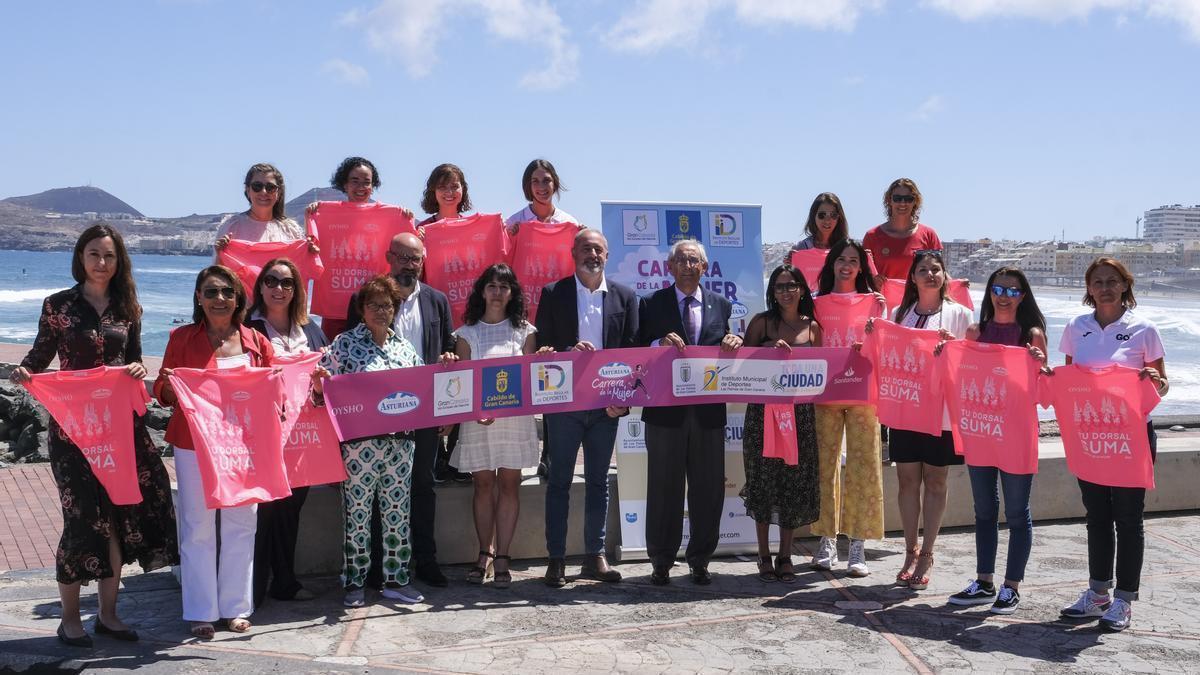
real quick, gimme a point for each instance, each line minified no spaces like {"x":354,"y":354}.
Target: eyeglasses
{"x":827,"y":215}
{"x":497,"y":288}
{"x":999,"y":291}
{"x":226,"y":292}
{"x":903,"y":199}
{"x":782,"y":289}
{"x":286,"y":283}
{"x":405,"y":258}
{"x":689,"y":261}
{"x":259,"y":186}
{"x":379,"y":307}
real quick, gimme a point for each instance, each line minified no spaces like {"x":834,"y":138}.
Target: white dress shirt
{"x":407,"y":323}
{"x":589,"y":307}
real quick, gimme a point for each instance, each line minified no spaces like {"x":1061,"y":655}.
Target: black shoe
{"x":661,"y":576}
{"x":460,"y":477}
{"x":430,"y":573}
{"x":597,"y":567}
{"x":128,"y":635}
{"x":543,"y":471}
{"x":700,"y":575}
{"x":84,"y":640}
{"x":556,"y":573}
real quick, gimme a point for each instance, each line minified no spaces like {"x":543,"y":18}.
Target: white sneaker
{"x":1087,"y":606}
{"x":826,"y":556}
{"x":1118,"y":616}
{"x":404,"y":593}
{"x":355,"y":597}
{"x":857,"y":565}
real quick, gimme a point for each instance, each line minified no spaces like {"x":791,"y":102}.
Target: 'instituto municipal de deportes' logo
{"x":550,"y":377}
{"x":712,"y":376}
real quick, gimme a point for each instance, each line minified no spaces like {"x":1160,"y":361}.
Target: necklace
{"x":218,"y":340}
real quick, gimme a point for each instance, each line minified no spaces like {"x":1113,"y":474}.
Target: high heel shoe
{"x":481,"y":573}
{"x":904,"y":576}
{"x":920,"y":579}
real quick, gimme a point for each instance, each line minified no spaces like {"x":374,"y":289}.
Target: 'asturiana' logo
{"x":398,"y":403}
{"x":611,"y":371}
{"x":739,"y":310}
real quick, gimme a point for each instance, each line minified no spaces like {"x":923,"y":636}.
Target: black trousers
{"x":1115,"y":529}
{"x":423,"y":510}
{"x":677,"y":455}
{"x":275,"y":547}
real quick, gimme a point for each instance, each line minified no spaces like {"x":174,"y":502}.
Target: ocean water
{"x":165,"y":287}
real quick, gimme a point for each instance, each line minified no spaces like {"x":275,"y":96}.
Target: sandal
{"x":203,"y":630}
{"x":784,"y":570}
{"x":481,"y":573}
{"x":238,"y":625}
{"x":766,"y":572}
{"x":905,"y":575}
{"x":503,"y":578}
{"x":920,"y":579}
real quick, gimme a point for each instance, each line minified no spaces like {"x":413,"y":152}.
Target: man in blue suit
{"x":583,"y":312}
{"x":685,"y":442}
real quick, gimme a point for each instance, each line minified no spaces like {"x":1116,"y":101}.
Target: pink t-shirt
{"x":233,"y":414}
{"x":457,"y":251}
{"x":909,"y":393}
{"x":893,"y":255}
{"x":311,"y":454}
{"x":1101,"y":414}
{"x":95,"y":409}
{"x":542,"y":255}
{"x":842,"y":317}
{"x":893,"y":291}
{"x":246,"y":259}
{"x":354,"y":239}
{"x":991,"y":391}
{"x":809,"y":261}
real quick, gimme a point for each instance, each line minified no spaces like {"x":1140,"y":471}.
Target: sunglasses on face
{"x":287,"y":283}
{"x":785,"y":288}
{"x":212,"y":293}
{"x":827,"y":215}
{"x":999,"y":291}
{"x":259,"y":186}
{"x":903,"y":199}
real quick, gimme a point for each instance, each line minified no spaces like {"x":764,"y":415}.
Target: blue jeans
{"x":987,"y":515}
{"x":597,"y":432}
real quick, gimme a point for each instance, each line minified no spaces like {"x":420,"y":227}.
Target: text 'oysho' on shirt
{"x":95,"y":409}
{"x":1101,"y":415}
{"x":909,"y":393}
{"x":233,"y":414}
{"x":354,"y":239}
{"x":991,"y":392}
{"x":458,"y":250}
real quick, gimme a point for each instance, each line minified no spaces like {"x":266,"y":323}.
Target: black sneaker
{"x":1007,"y":601}
{"x":976,"y":593}
{"x":460,"y":477}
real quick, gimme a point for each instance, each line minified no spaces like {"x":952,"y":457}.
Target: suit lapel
{"x":570,"y":301}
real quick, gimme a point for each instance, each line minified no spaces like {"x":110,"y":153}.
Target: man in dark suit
{"x":423,"y":318}
{"x":583,"y":312}
{"x":688,"y":441}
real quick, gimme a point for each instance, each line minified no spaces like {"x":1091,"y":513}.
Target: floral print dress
{"x":70,"y":328}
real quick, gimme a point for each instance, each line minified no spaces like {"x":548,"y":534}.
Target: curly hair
{"x":499,"y":273}
{"x":441,"y":175}
{"x":916,"y":193}
{"x":342,"y":174}
{"x":383,"y":284}
{"x":122,"y":290}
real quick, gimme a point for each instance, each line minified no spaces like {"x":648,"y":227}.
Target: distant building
{"x":1172,"y":223}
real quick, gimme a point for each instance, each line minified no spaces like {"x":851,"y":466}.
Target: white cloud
{"x":931,"y":106}
{"x":1185,"y":12}
{"x":655,"y":24}
{"x":410,"y":31}
{"x":349,"y":73}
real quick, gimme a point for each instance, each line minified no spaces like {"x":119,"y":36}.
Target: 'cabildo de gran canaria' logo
{"x":502,"y":381}
{"x":501,"y":387}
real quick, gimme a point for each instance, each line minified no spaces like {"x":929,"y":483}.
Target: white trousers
{"x":212,"y":588}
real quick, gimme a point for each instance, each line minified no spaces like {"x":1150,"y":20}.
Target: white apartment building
{"x":1172,"y":223}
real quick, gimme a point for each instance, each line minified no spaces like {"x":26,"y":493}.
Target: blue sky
{"x":1017,"y":118}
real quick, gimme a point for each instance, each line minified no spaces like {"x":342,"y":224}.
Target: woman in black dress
{"x":95,"y":323}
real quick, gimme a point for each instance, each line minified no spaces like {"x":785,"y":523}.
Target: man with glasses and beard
{"x":423,"y":318}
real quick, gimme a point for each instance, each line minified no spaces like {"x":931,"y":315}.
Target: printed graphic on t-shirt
{"x":909,"y":393}
{"x":990,"y":391}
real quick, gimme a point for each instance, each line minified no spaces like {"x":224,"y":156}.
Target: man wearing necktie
{"x":685,"y":443}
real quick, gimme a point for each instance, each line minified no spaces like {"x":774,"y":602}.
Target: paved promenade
{"x":825,"y":622}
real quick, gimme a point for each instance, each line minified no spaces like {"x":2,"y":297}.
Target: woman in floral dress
{"x":96,"y":323}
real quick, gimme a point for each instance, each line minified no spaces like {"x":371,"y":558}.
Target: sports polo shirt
{"x":1128,"y":341}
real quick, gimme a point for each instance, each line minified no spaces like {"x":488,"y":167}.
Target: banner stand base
{"x":747,"y":548}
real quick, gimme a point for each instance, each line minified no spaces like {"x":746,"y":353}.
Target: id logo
{"x":725,"y":229}
{"x":552,"y":382}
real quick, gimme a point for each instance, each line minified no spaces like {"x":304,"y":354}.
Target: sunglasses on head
{"x":936,"y":252}
{"x":998,"y":291}
{"x":903,"y":199}
{"x":287,"y":283}
{"x":211,"y":293}
{"x":259,"y":186}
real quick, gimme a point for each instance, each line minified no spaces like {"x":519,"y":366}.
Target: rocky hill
{"x":82,"y":199}
{"x":295,"y":206}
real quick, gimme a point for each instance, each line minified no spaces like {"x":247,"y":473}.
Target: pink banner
{"x":95,"y":409}
{"x":233,"y":414}
{"x":893,"y":290}
{"x":991,"y":391}
{"x":1101,"y":414}
{"x":354,"y":240}
{"x":909,"y":391}
{"x":369,"y":404}
{"x":246,"y":259}
{"x":542,"y":255}
{"x":458,"y":250}
{"x":311,"y":455}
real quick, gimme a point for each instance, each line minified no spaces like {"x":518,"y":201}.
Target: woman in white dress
{"x":494,"y":451}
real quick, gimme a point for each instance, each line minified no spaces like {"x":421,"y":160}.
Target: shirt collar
{"x":695,"y":294}
{"x":580,"y":288}
{"x":416,"y":290}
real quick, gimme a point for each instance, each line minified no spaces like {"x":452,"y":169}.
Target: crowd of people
{"x":397,"y":321}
